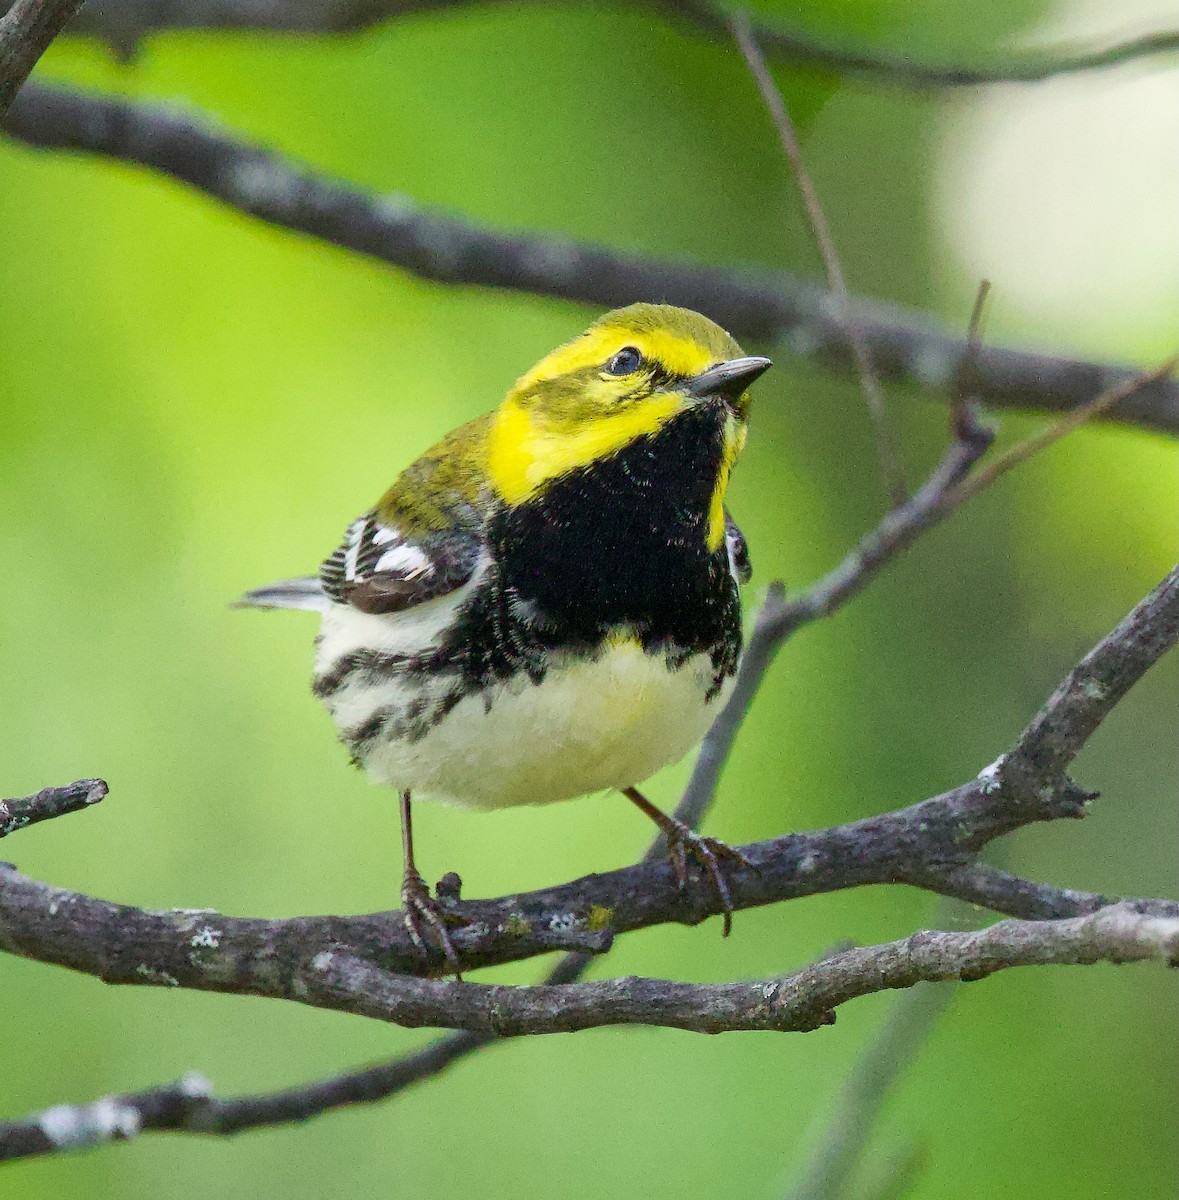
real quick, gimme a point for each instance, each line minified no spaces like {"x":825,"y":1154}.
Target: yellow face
{"x":622,"y":379}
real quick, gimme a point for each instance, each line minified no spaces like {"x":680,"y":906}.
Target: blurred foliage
{"x":192,"y":404}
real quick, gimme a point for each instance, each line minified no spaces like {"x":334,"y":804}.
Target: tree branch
{"x":191,"y":1107}
{"x":930,"y":845}
{"x":795,"y":48}
{"x":125,"y":23}
{"x":48,"y":803}
{"x":26,"y":30}
{"x":780,"y":616}
{"x":799,"y":1002}
{"x":771,"y":306}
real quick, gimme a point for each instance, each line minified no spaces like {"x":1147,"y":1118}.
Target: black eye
{"x":626,"y":362}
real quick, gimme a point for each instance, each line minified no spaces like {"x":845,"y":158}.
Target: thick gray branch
{"x":930,"y":845}
{"x":770,"y":306}
{"x":124,"y":23}
{"x":799,"y":1002}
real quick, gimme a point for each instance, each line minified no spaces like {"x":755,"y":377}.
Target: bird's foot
{"x":422,"y":910}
{"x":708,"y":852}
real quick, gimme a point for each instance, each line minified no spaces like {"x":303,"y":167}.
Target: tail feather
{"x":304,"y":592}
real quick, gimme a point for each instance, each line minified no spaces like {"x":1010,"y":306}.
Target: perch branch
{"x":770,"y":306}
{"x":799,"y":1002}
{"x":932,"y":845}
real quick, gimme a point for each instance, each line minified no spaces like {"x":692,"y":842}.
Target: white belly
{"x":589,"y":725}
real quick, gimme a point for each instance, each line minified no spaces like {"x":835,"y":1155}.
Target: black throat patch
{"x":621,"y":543}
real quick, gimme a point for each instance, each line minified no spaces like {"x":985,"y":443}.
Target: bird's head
{"x":631,"y":372}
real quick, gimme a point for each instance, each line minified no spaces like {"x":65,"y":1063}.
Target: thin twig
{"x":191,"y":1107}
{"x":124,"y":24}
{"x":949,"y":487}
{"x":966,"y":424}
{"x":753,"y":303}
{"x":798,"y":48}
{"x":780,"y":617}
{"x":26,"y":30}
{"x":775,"y":102}
{"x":48,"y":803}
{"x":898,"y":1177}
{"x":1050,"y":434}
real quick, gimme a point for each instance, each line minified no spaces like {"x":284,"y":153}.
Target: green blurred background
{"x":192,"y":404}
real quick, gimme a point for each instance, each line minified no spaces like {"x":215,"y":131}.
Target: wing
{"x":379,"y":568}
{"x":425,"y":536}
{"x":739,"y":564}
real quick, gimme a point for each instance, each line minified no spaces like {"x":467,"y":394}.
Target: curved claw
{"x":707,"y":851}
{"x":421,"y":906}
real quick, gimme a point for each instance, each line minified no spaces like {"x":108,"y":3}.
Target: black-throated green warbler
{"x":545,"y":604}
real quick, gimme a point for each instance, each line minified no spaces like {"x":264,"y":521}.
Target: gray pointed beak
{"x":728,"y":379}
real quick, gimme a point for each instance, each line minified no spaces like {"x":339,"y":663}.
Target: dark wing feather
{"x":379,"y":569}
{"x":425,"y":537}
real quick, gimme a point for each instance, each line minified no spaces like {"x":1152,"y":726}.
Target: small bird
{"x":545,"y":604}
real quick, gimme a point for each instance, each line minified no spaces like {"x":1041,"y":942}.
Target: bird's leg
{"x":415,"y":896}
{"x":707,"y":851}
